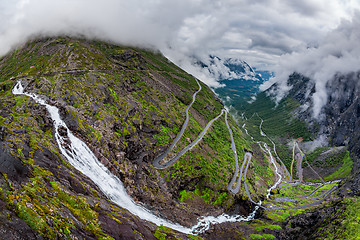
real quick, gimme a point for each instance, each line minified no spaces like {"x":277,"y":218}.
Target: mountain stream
{"x":81,"y":157}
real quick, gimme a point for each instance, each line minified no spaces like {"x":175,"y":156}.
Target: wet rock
{"x":3,"y":133}
{"x":44,"y":158}
{"x":62,"y":131}
{"x":117,"y":127}
{"x":129,"y":59}
{"x":150,"y":130}
{"x":76,"y":186}
{"x":133,"y":150}
{"x":42,"y":116}
{"x":48,"y":160}
{"x":12,"y":227}
{"x":69,"y":119}
{"x":118,"y":231}
{"x":305,"y":225}
{"x":225,"y":231}
{"x":120,"y":156}
{"x":15,"y":169}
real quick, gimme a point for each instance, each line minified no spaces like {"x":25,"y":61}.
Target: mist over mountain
{"x":239,"y":82}
{"x":337,"y":54}
{"x":340,"y":119}
{"x":258,"y":32}
{"x":167,"y":119}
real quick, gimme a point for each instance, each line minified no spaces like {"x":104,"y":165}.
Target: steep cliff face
{"x":343,"y":109}
{"x":239,"y":80}
{"x":339,"y":121}
{"x":339,"y":118}
{"x":127,"y":104}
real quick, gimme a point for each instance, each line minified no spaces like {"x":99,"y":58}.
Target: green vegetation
{"x":260,"y":226}
{"x":326,"y":157}
{"x":285,"y":154}
{"x":163,"y":233}
{"x":343,"y":171}
{"x":314,"y":154}
{"x":344,"y":223}
{"x":302,"y":190}
{"x":185,"y":195}
{"x":278,"y":120}
{"x":164,"y":137}
{"x":207,"y":194}
{"x":281,"y":215}
{"x":212,"y":167}
{"x":160,"y":235}
{"x":262,"y":170}
{"x":332,"y":159}
{"x":194,"y":237}
{"x":262,"y":236}
{"x":121,"y":100}
{"x":41,"y":205}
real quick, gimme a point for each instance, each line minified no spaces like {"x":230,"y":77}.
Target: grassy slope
{"x":96,"y":99}
{"x":280,"y":124}
{"x":344,"y":223}
{"x":278,"y":120}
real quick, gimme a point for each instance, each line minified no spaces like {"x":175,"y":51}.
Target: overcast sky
{"x":337,"y":52}
{"x":257,"y":31}
{"x":269,"y":34}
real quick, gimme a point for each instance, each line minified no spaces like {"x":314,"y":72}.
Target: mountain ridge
{"x":126,"y":104}
{"x":338,"y":154}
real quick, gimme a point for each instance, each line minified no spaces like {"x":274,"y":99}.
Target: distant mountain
{"x":265,"y":75}
{"x":337,"y":124}
{"x":122,"y":108}
{"x":127,"y":105}
{"x":240,"y":81}
{"x":340,"y":116}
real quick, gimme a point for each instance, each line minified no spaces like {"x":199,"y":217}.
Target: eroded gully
{"x":81,"y":157}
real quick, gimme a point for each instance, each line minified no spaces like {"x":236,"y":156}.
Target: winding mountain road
{"x":247,"y":156}
{"x":236,"y":189}
{"x":301,"y":155}
{"x":82,"y":158}
{"x":322,"y":198}
{"x":231,"y":187}
{"x":157,"y":160}
{"x":247,"y":188}
{"x":239,"y":173}
{"x":304,"y":155}
{"x":305,"y":197}
{"x":172,"y":161}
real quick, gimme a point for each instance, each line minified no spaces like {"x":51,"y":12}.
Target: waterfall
{"x":82,"y":158}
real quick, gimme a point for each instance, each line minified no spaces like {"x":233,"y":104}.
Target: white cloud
{"x":257,"y":31}
{"x":338,"y":52}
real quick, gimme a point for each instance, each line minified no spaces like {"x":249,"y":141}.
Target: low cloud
{"x":257,"y":31}
{"x":338,"y":52}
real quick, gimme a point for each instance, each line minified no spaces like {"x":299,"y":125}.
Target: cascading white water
{"x":276,"y":171}
{"x":82,"y":158}
{"x":205,"y":222}
{"x":267,"y":149}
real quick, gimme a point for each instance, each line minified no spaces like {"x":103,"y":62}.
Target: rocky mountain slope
{"x":240,"y":82}
{"x":341,"y":114}
{"x":127,"y":104}
{"x":337,"y":129}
